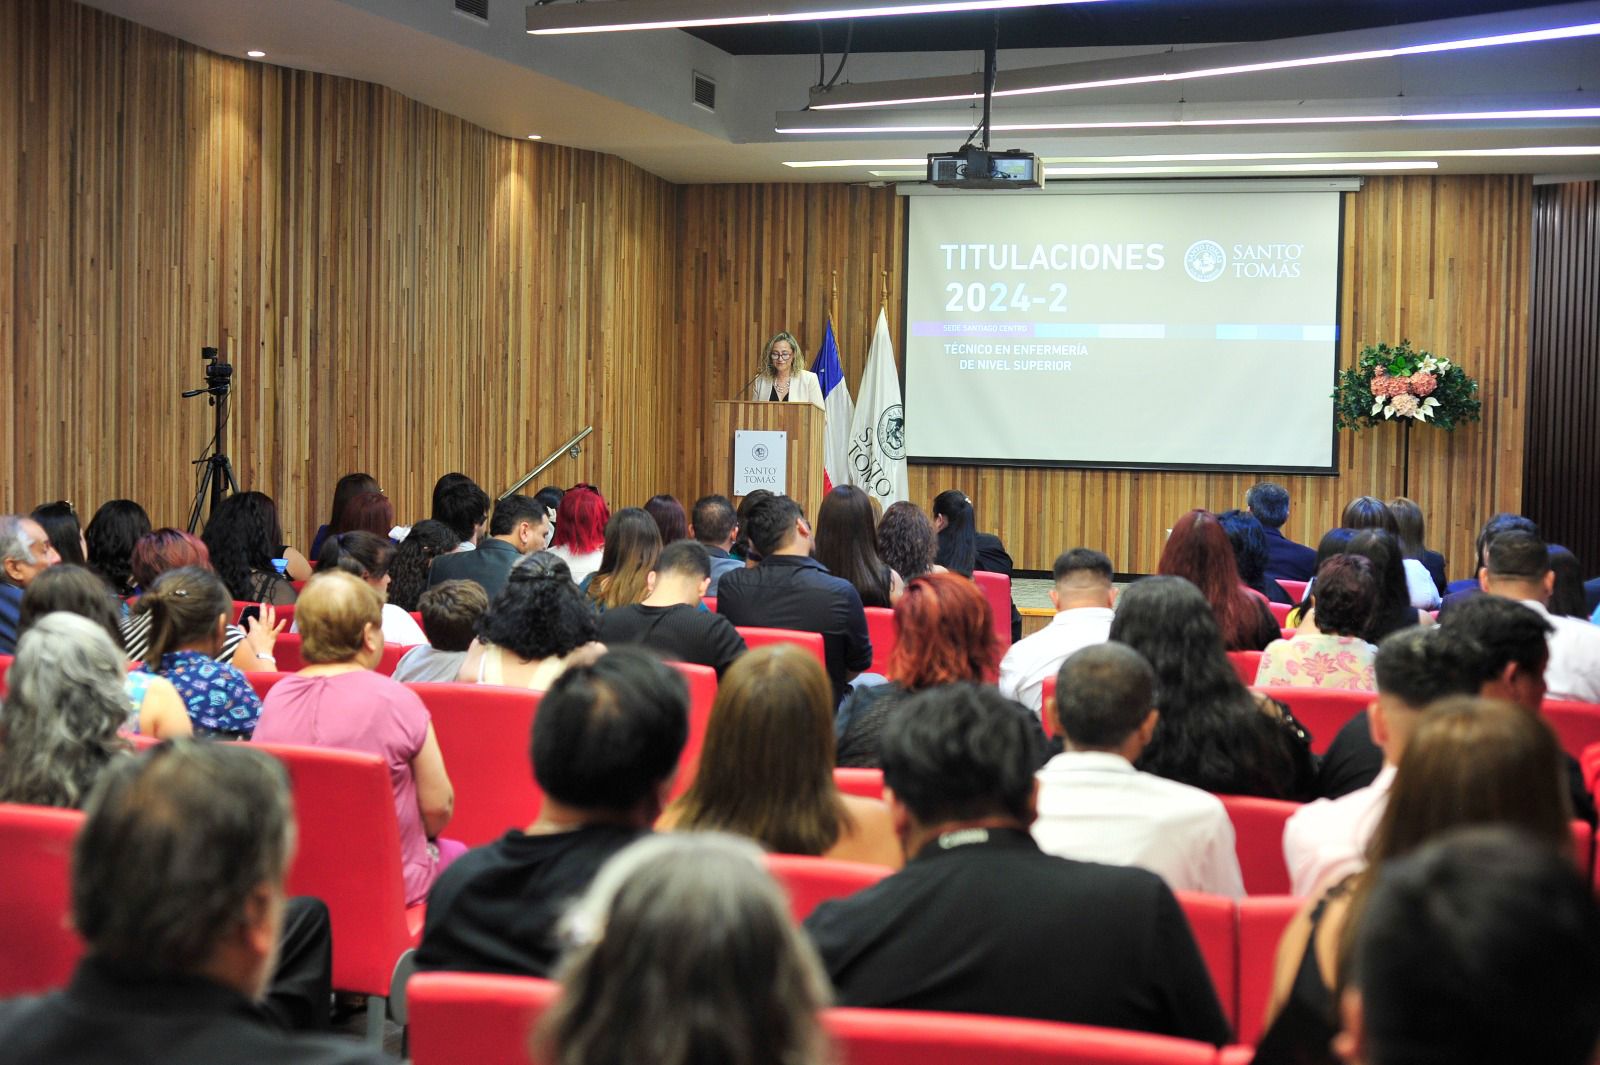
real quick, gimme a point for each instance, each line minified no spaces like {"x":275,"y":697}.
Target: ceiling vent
{"x":478,"y":9}
{"x":705,"y":92}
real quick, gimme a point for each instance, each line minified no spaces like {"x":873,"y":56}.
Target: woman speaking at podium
{"x":784,"y":377}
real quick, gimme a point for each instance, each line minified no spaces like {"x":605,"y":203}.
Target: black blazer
{"x":489,"y":564}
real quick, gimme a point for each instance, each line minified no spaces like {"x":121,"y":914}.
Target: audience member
{"x":338,"y":701}
{"x":109,"y":540}
{"x":907,"y":542}
{"x":1414,"y":542}
{"x":1499,"y":523}
{"x":980,"y":920}
{"x":716,"y":527}
{"x":604,"y":750}
{"x":1094,"y":806}
{"x":1393,"y":611}
{"x":766,"y":771}
{"x":632,"y":542}
{"x":671,"y":620}
{"x":413,"y":561}
{"x":248,"y":647}
{"x":461,"y":506}
{"x":450,"y":614}
{"x":516,"y":530}
{"x":348,"y":487}
{"x":955,"y":522}
{"x":669,"y":517}
{"x":550,"y":495}
{"x":847,"y":546}
{"x":189,"y":610}
{"x":76,"y":590}
{"x":1567,"y":598}
{"x":60,"y":524}
{"x":25,"y":552}
{"x":945,"y":637}
{"x":742,"y":549}
{"x":1518,"y":567}
{"x":366,"y":512}
{"x":243,"y":537}
{"x":1083,"y":597}
{"x":1468,"y":762}
{"x":1416,"y":667}
{"x":791,"y":590}
{"x":1214,"y":733}
{"x":178,"y":891}
{"x":1333,"y":542}
{"x":368,"y":556}
{"x":1249,"y":543}
{"x":1285,"y":559}
{"x":1333,"y":652}
{"x":1481,"y":948}
{"x":684,"y":955}
{"x":1198,"y":551}
{"x":535,"y":629}
{"x":1369,"y":512}
{"x":581,"y":522}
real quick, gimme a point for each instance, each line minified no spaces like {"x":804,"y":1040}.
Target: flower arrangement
{"x":1402,"y":382}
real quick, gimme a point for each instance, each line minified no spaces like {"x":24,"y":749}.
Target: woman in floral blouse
{"x":1334,"y":655}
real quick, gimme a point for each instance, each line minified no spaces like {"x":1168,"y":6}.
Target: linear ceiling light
{"x":545,"y":19}
{"x":1192,"y":171}
{"x":1227,"y":157}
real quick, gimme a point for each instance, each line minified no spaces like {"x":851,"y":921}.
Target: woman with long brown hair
{"x":633,"y":542}
{"x":1199,"y":551}
{"x":847,"y":543}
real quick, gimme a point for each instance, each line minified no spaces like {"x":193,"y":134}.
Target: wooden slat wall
{"x":407,"y":293}
{"x":1563,"y":454}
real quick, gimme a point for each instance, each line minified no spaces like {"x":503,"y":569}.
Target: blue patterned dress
{"x":218,"y":697}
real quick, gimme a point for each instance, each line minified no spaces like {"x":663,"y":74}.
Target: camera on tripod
{"x":219,"y":374}
{"x":216,"y":478}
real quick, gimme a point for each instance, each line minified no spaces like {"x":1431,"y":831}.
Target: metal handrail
{"x":569,"y":448}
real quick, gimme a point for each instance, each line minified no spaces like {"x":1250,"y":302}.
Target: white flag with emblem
{"x":878,"y":431}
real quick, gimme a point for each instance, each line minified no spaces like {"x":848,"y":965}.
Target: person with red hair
{"x":1199,"y":551}
{"x":946,"y":636}
{"x":167,"y":549}
{"x":580,"y":530}
{"x":366,"y":512}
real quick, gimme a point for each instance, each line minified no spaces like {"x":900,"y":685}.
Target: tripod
{"x":217,"y":479}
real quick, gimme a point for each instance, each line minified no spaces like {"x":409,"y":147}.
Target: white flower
{"x":1376,"y":407}
{"x":1430,"y":364}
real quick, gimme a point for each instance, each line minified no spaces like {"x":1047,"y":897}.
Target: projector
{"x":979,"y":168}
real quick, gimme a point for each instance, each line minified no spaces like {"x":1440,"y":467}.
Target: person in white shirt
{"x":1517,"y":566}
{"x":1327,"y":839}
{"x":1083,"y":597}
{"x":1095,"y":806}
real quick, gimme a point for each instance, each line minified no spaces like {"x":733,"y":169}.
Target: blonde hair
{"x":332,"y":615}
{"x":797,"y":364}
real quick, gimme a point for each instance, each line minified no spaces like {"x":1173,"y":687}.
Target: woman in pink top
{"x":1333,"y":654}
{"x":337,"y":701}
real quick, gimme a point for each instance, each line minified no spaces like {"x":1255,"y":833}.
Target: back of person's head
{"x":187,"y":606}
{"x":1517,"y":556}
{"x":450,"y":613}
{"x":367,"y":512}
{"x":685,"y":954}
{"x":176,"y":847}
{"x":581,"y":520}
{"x":76,"y":590}
{"x":958,"y":540}
{"x":1498,"y":524}
{"x":1333,"y":542}
{"x":946,"y":633}
{"x":63,"y":712}
{"x":512,"y":511}
{"x":1083,"y":577}
{"x":713,"y":519}
{"x":1198,"y":551}
{"x":633,"y":540}
{"x":669,"y":517}
{"x":684,"y":558}
{"x":1507,"y":631}
{"x":746,"y":505}
{"x":1567,"y":597}
{"x":1249,"y":543}
{"x":906,"y":540}
{"x":60,"y":523}
{"x":242,"y":536}
{"x":333,"y":614}
{"x":1409,"y":526}
{"x":461,"y":505}
{"x":539,"y":612}
{"x":1481,"y":948}
{"x":1269,"y":503}
{"x":16,"y":542}
{"x":1104,"y":693}
{"x":166,"y":548}
{"x":1426,"y":663}
{"x":549,"y":498}
{"x":1345,"y":595}
{"x":959,"y":752}
{"x":1369,"y":512}
{"x":413,"y":560}
{"x":767,"y":767}
{"x":359,"y":553}
{"x":847,"y":542}
{"x":608,"y":735}
{"x":111,"y":536}
{"x":771,"y":523}
{"x":1393,"y":609}
{"x":348,"y":487}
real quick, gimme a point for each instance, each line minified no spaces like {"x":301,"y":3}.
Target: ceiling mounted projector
{"x":980,"y":168}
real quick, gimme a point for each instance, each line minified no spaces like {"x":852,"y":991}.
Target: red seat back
{"x":1295,"y":589}
{"x":5,"y":667}
{"x":757,"y":636}
{"x":38,"y":948}
{"x":290,"y":660}
{"x":711,"y":603}
{"x":1261,"y":925}
{"x":884,"y":634}
{"x":263,"y":682}
{"x":1245,"y":664}
{"x":1047,"y":697}
{"x":1590,"y":761}
{"x":1215,"y":923}
{"x":1583,"y":846}
{"x":348,"y":855}
{"x":866,"y":783}
{"x":485,"y":736}
{"x":702,"y":681}
{"x":812,"y":881}
{"x":1258,"y":841}
{"x":1577,"y":724}
{"x":996,"y":588}
{"x":923,"y":1037}
{"x":1322,"y":712}
{"x":474,"y":1018}
{"x":1280,"y":613}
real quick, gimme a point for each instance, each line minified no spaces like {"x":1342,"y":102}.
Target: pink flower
{"x":1423,"y":383}
{"x":1380,"y":386}
{"x":1405,"y":405}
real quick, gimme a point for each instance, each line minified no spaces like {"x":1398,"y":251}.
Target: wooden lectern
{"x":801,"y":421}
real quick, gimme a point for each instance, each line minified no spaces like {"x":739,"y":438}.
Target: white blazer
{"x":803,"y":388}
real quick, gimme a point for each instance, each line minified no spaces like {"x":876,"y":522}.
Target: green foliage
{"x":1412,"y":384}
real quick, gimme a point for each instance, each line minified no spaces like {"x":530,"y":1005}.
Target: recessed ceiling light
{"x":691,"y":14}
{"x":535,"y":137}
{"x":256,"y":53}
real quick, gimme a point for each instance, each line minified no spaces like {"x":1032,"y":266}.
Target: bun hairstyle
{"x":184,"y":605}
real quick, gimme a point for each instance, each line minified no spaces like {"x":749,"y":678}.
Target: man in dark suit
{"x":516,"y":528}
{"x":1285,"y":559}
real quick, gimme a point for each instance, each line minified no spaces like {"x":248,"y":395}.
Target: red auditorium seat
{"x":812,"y":881}
{"x":38,"y":948}
{"x":996,"y":588}
{"x":1577,"y":724}
{"x":866,"y":783}
{"x":1258,"y":840}
{"x":1323,"y":713}
{"x":1590,"y":761}
{"x":287,"y":653}
{"x":1047,"y":695}
{"x":884,"y":634}
{"x":1261,"y":925}
{"x":1214,"y":920}
{"x":702,"y":681}
{"x":1236,"y":1055}
{"x":484,"y":735}
{"x":1245,"y":664}
{"x":474,"y":1018}
{"x":1296,"y":589}
{"x":922,"y":1037}
{"x":348,"y":855}
{"x":711,"y":603}
{"x":1280,"y":612}
{"x":1583,"y":846}
{"x":5,"y":667}
{"x":263,"y":682}
{"x":756,"y":636}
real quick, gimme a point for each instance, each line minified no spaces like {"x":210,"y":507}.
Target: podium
{"x":801,"y":421}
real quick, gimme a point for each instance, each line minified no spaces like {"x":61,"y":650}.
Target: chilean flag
{"x":839,"y":412}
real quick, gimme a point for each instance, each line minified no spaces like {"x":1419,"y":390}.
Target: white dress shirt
{"x":1327,"y":839}
{"x":1419,"y":585}
{"x":1096,"y":807}
{"x":1029,"y":661}
{"x":1574,"y":669}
